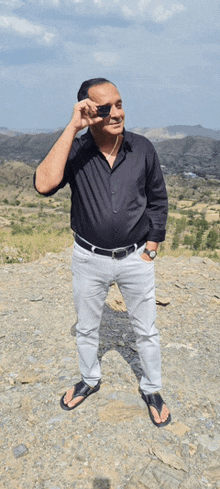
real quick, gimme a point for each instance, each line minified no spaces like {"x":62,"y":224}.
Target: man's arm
{"x":50,"y":172}
{"x":157,"y":203}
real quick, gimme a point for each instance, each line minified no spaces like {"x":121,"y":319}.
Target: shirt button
{"x":115,"y":212}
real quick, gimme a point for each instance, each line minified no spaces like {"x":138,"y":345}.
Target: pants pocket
{"x":80,"y":255}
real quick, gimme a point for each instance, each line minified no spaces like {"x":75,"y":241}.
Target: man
{"x":118,"y":215}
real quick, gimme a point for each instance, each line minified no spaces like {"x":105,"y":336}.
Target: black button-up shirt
{"x":118,"y":206}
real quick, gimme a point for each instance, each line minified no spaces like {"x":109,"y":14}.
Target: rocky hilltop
{"x":191,"y":154}
{"x":29,"y":148}
{"x":176,"y":131}
{"x":108,"y":442}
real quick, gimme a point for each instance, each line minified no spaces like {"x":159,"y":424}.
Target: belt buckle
{"x":114,"y":253}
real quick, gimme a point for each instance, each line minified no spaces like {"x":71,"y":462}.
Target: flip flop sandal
{"x":156,"y":401}
{"x":81,"y":389}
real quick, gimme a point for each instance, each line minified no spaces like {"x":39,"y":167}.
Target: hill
{"x":193,"y":155}
{"x":29,"y":148}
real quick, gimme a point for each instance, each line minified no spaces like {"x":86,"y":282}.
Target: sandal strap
{"x":83,"y":389}
{"x":155,"y":400}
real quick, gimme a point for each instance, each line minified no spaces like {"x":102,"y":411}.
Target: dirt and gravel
{"x":108,"y":442}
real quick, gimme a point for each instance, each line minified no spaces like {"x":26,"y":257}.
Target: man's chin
{"x":115,"y":128}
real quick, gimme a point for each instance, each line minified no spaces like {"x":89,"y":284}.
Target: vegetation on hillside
{"x":32,"y":225}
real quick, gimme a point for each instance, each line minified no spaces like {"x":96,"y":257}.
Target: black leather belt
{"x":117,"y":253}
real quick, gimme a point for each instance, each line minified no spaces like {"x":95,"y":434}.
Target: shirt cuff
{"x":156,"y":235}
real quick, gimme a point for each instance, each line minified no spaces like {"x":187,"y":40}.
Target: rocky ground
{"x":108,"y":442}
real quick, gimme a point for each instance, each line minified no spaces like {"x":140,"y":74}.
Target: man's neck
{"x":103,"y":140}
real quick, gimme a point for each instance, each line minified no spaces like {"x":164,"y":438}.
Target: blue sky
{"x":162,"y":54}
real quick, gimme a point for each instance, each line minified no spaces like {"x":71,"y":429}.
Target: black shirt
{"x":118,"y":206}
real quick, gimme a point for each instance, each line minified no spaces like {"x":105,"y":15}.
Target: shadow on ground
{"x":100,"y":483}
{"x":116,"y":333}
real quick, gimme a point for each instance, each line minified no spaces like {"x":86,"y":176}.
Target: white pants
{"x":92,"y":275}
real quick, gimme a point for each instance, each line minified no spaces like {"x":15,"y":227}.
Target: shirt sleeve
{"x":66,"y":174}
{"x":157,"y":201}
{"x":54,"y":190}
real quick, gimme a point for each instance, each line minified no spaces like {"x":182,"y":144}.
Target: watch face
{"x":152,"y":254}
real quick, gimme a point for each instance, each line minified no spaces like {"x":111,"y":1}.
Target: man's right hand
{"x":84,"y":114}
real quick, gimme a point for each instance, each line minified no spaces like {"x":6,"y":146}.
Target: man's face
{"x":107,"y":94}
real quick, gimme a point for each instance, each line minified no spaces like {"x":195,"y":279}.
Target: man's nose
{"x":115,"y":112}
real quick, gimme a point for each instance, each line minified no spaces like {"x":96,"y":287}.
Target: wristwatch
{"x":151,"y":253}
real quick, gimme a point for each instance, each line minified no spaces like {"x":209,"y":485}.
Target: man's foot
{"x":75,"y":396}
{"x":158,"y":411}
{"x":162,"y":417}
{"x":70,"y":401}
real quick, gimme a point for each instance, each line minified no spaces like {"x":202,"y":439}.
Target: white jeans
{"x":92,"y":275}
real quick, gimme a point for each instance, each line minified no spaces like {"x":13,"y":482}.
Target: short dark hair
{"x":83,"y":91}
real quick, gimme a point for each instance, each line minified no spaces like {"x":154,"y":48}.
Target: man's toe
{"x":75,"y":401}
{"x":155,"y":414}
{"x":163,"y":416}
{"x":165,"y":413}
{"x":68,"y":397}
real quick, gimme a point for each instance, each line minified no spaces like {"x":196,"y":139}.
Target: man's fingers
{"x":94,"y":120}
{"x":85,"y":114}
{"x":88,"y":110}
{"x":87,"y":107}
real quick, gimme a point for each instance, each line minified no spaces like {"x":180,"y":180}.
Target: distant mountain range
{"x":14,"y":132}
{"x":154,"y":134}
{"x":176,"y":132}
{"x":179,"y":153}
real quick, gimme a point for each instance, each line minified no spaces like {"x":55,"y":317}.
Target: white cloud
{"x":21,"y":26}
{"x":161,"y":14}
{"x":141,"y":10}
{"x":143,"y":5}
{"x":106,"y":58}
{"x":127,"y":11}
{"x":25,"y":28}
{"x":48,"y":37}
{"x":48,"y":2}
{"x":12,"y":3}
{"x":98,"y":2}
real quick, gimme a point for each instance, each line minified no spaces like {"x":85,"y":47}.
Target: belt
{"x":117,"y":253}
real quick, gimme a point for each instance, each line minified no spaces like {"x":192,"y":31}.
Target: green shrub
{"x":198,"y":241}
{"x":201,"y":224}
{"x":176,"y":242}
{"x":190,"y":213}
{"x":181,"y":225}
{"x":18,"y":229}
{"x":188,"y":240}
{"x":212,"y":239}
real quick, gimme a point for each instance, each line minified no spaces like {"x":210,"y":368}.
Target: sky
{"x":163,"y":55}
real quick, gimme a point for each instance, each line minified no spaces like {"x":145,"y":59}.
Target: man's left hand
{"x":150,"y":245}
{"x":146,"y":257}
